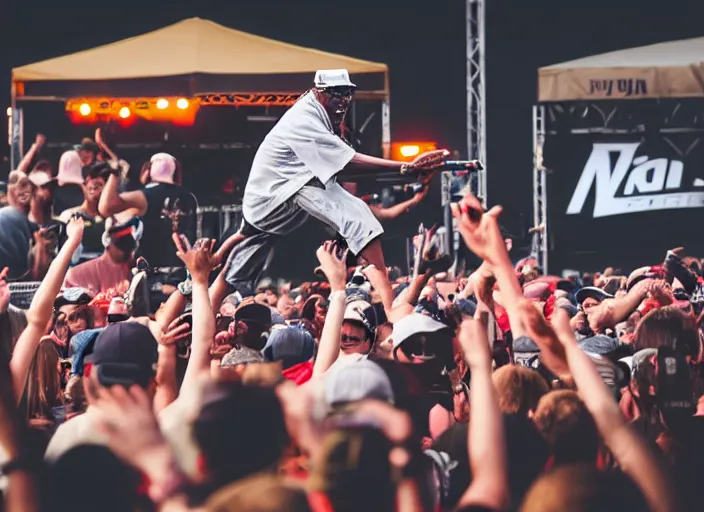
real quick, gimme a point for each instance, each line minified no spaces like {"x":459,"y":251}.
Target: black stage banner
{"x":623,"y":200}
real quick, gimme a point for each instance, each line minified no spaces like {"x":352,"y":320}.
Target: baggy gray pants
{"x":329,"y":203}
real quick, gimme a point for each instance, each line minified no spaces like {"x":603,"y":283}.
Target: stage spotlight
{"x":84,"y":109}
{"x":182,"y":103}
{"x":124,"y":113}
{"x":408,"y":151}
{"x":162,"y":103}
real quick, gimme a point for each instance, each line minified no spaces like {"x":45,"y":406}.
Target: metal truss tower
{"x":476,"y":94}
{"x":476,"y":122}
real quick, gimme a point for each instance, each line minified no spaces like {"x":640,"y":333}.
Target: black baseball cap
{"x":250,"y":311}
{"x":125,"y":353}
{"x":121,"y":237}
{"x":593,"y":292}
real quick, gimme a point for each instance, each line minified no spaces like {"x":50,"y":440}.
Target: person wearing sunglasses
{"x":294,"y":176}
{"x":72,"y":314}
{"x":357,"y":334}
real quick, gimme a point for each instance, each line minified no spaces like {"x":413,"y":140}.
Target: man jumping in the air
{"x":293,"y":176}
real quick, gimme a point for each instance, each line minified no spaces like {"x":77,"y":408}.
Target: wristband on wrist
{"x":21,"y":464}
{"x":186,"y":287}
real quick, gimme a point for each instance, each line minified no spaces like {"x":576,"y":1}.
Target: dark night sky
{"x":422,"y":42}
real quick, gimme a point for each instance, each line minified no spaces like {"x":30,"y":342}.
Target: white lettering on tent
{"x":642,"y":177}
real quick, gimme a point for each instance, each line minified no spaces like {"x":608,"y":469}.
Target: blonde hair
{"x":519,"y":389}
{"x":42,"y":390}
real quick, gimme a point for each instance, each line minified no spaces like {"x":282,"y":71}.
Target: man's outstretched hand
{"x":428,"y":161}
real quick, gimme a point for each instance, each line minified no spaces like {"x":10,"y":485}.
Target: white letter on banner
{"x":598,"y":170}
{"x":638,"y":179}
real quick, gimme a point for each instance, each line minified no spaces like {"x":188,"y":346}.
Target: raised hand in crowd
{"x":612,"y":311}
{"x":332,"y":263}
{"x":74,"y":230}
{"x":197,"y":258}
{"x":42,"y":306}
{"x":480,"y":230}
{"x":166,"y":379}
{"x":395,"y":211}
{"x":199,"y":262}
{"x":552,"y":353}
{"x":99,"y":137}
{"x":175,"y":332}
{"x":484,"y":288}
{"x":39,"y":141}
{"x":486,"y":440}
{"x":482,"y":234}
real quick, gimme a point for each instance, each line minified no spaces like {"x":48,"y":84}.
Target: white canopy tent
{"x":192,"y":58}
{"x":673,"y":69}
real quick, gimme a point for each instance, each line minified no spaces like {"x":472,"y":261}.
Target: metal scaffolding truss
{"x":476,"y":119}
{"x":476,"y":94}
{"x":540,"y":199}
{"x":623,"y":117}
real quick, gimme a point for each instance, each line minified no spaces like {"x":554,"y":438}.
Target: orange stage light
{"x":181,"y":111}
{"x":407,"y":151}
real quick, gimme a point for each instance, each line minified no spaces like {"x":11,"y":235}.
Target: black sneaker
{"x":441,"y":264}
{"x":137,"y":295}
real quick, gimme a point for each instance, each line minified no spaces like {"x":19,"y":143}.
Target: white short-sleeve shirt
{"x":300,"y":147}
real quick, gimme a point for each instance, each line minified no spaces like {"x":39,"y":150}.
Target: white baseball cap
{"x":354,"y":311}
{"x":40,"y":178}
{"x":414,"y":323}
{"x":332,"y":78}
{"x":357,"y":381}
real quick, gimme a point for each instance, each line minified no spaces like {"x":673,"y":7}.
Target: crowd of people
{"x":146,"y":375}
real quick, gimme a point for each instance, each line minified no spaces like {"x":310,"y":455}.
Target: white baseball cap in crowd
{"x":41,"y":178}
{"x":357,"y":381}
{"x":354,"y":311}
{"x":332,"y":78}
{"x":415,"y":323}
